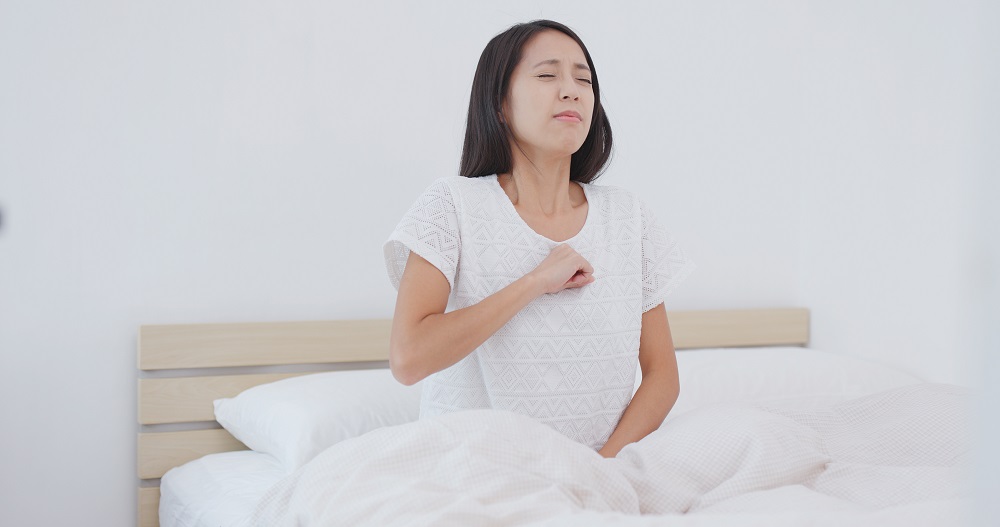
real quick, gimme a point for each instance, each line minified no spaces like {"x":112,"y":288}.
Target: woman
{"x":523,"y":286}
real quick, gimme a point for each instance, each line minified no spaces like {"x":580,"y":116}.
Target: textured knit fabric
{"x":569,"y":358}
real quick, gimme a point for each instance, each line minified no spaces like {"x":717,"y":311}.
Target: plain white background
{"x":175,"y":162}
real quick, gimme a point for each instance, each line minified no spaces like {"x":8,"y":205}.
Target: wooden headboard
{"x":184,"y":367}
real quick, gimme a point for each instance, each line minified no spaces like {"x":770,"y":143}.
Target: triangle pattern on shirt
{"x":569,"y":358}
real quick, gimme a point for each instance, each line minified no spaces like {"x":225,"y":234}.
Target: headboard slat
{"x":262,"y":343}
{"x":149,"y":507}
{"x":189,"y":399}
{"x":159,"y":452}
{"x":739,"y":327}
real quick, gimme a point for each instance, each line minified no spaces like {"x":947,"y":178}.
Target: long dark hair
{"x":487,"y":149}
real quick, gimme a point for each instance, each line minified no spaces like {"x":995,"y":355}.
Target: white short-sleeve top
{"x":569,"y":358}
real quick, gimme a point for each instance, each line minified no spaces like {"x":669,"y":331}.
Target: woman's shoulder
{"x":620,"y":196}
{"x":461,"y":184}
{"x":454,"y":194}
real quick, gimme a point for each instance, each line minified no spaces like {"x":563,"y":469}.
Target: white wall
{"x":890,"y":107}
{"x":983,"y":270}
{"x":243,"y":161}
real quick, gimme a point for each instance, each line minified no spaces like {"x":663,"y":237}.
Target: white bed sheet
{"x":217,"y":490}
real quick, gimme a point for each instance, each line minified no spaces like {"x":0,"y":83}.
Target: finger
{"x":580,"y":280}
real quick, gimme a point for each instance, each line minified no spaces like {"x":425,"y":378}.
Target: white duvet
{"x":899,"y":457}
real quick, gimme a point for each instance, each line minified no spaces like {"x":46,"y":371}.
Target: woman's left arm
{"x":659,"y":388}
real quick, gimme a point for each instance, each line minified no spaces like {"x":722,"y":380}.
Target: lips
{"x":568,"y":115}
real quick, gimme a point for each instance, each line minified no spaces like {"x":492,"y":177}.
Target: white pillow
{"x":295,"y":419}
{"x":802,"y":377}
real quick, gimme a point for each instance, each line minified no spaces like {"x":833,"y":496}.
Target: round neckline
{"x":513,"y":210}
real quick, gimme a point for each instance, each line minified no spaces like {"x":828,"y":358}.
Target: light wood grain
{"x":739,"y":327}
{"x":189,"y":399}
{"x":337,"y":341}
{"x":149,"y":507}
{"x":262,"y":343}
{"x":159,"y":452}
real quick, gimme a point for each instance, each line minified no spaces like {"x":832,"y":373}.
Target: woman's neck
{"x":542,"y":187}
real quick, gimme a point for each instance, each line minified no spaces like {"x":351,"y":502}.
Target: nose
{"x":568,"y":88}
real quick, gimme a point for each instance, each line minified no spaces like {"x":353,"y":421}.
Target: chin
{"x":568,"y":146}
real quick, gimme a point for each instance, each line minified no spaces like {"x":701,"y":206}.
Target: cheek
{"x":529,"y":114}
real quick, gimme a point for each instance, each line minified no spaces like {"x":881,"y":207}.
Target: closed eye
{"x":588,"y":81}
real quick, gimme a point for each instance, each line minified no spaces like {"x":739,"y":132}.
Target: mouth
{"x":569,"y":116}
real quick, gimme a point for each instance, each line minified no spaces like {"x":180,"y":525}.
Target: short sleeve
{"x":430,"y":228}
{"x":664,"y":263}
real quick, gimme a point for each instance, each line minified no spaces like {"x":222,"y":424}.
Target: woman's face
{"x":551,"y":78}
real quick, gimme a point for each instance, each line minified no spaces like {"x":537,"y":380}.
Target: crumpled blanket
{"x":900,"y":457}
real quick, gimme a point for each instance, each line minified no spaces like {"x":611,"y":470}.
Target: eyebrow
{"x":579,"y":66}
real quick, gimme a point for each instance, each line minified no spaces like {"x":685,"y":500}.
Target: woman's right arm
{"x":426,"y":340}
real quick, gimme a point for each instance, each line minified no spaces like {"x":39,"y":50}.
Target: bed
{"x":766,"y":431}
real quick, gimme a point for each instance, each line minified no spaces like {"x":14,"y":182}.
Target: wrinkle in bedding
{"x":727,"y":464}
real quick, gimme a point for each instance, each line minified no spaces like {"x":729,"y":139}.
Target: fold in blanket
{"x":877,"y":459}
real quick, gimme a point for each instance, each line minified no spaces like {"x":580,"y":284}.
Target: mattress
{"x":217,"y":490}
